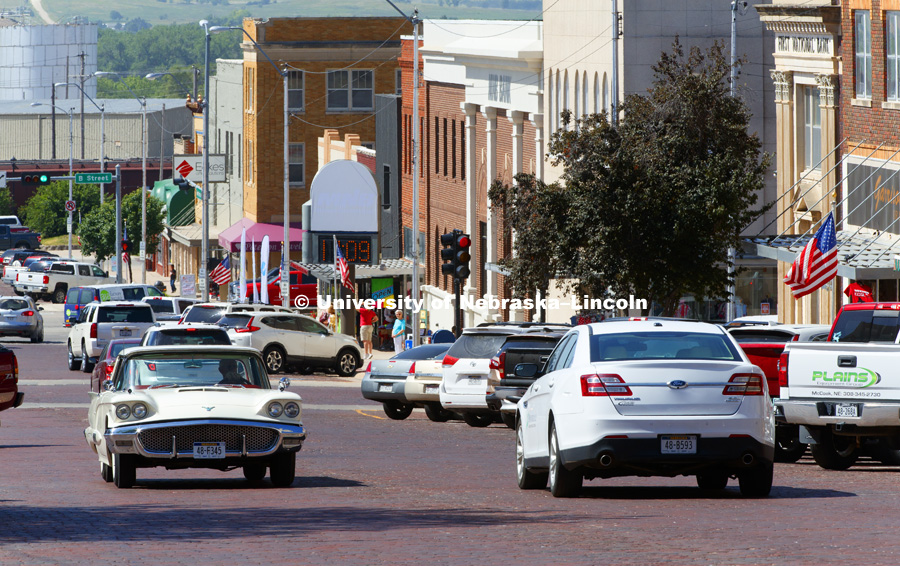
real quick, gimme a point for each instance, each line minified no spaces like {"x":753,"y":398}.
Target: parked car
{"x":289,"y":338}
{"x":763,"y":346}
{"x":15,"y":256}
{"x":422,"y":384}
{"x":78,"y":297}
{"x":107,"y":359}
{"x":20,"y":317}
{"x":169,"y":309}
{"x":466,"y":368}
{"x":98,"y":323}
{"x":160,"y":411}
{"x":10,"y":396}
{"x":186,"y":335}
{"x":212,"y":312}
{"x":56,"y":281}
{"x":301,"y":284}
{"x":30,"y":263}
{"x":504,"y":386}
{"x":385,"y":382}
{"x":647,"y":398}
{"x":12,"y":236}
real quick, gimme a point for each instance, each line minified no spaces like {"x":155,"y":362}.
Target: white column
{"x":537,"y":121}
{"x":517,"y":119}
{"x":490,"y":114}
{"x":471,"y":151}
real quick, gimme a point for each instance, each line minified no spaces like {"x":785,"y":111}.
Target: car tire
{"x":74,"y":363}
{"x":283,"y":469}
{"x":563,"y":482}
{"x":436,"y":413}
{"x":509,"y":420}
{"x":124,"y":470}
{"x":59,"y":295}
{"x":395,"y":410}
{"x":525,"y":477}
{"x":254,"y":472}
{"x":757,"y":482}
{"x":106,"y":472}
{"x":274,"y":357}
{"x":347,"y":363}
{"x":712,"y":481}
{"x":37,"y":336}
{"x":788,"y":448}
{"x":833,"y":452}
{"x":86,"y":365}
{"x":478,"y":420}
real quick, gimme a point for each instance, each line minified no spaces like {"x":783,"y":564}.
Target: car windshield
{"x":425,"y":352}
{"x":116,"y":347}
{"x":476,"y":346}
{"x":204,"y":314}
{"x":162,"y":306}
{"x":192,"y":370}
{"x":662,"y":345}
{"x":125,"y":313}
{"x":13,"y":304}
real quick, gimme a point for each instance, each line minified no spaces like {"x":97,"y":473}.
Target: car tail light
{"x":46,"y":279}
{"x":28,"y":313}
{"x":94,"y":330}
{"x":781,"y":369}
{"x":248,"y":328}
{"x":412,"y":368}
{"x":638,"y":318}
{"x":499,"y":363}
{"x":369,"y":368}
{"x":15,"y":369}
{"x":39,"y":238}
{"x":190,"y":330}
{"x":603,"y":385}
{"x":744,"y":384}
{"x":109,"y":370}
{"x":449,"y":361}
{"x":796,"y":338}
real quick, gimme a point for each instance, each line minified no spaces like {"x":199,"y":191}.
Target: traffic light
{"x":463,"y":242}
{"x":35,"y":179}
{"x":448,"y":253}
{"x":456,"y":254}
{"x":181,"y":183}
{"x":125,"y":245}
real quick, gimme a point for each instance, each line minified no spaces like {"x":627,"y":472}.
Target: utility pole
{"x":614,"y":99}
{"x":729,"y":314}
{"x":81,"y":81}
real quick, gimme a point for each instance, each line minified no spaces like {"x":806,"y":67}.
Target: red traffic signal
{"x":125,"y":244}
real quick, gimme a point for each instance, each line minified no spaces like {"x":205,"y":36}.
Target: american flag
{"x":816,"y":264}
{"x":126,"y":259}
{"x":342,"y":266}
{"x":221,"y":275}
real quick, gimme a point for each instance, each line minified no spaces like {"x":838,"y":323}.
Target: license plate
{"x":209,"y":450}
{"x":385,"y":388}
{"x":845,"y":411}
{"x":680,"y":444}
{"x":474,"y":380}
{"x":124,"y":333}
{"x":431,"y":389}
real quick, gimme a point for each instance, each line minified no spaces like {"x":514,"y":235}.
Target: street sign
{"x":2,"y":179}
{"x":70,"y":205}
{"x":69,"y":224}
{"x":92,"y":178}
{"x":143,"y":249}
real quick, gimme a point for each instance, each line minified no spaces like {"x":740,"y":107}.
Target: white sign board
{"x":190,"y":166}
{"x":188,"y":286}
{"x":2,"y":179}
{"x":69,"y":224}
{"x":344,"y":198}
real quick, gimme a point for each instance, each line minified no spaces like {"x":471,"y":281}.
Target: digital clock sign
{"x":356,"y":248}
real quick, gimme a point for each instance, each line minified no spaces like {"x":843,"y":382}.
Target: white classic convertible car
{"x":194,"y":407}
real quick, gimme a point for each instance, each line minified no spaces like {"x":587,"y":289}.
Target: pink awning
{"x":230,"y":238}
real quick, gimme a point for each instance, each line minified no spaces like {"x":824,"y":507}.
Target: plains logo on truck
{"x":859,"y":377}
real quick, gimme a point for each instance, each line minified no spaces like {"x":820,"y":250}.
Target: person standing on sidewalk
{"x":398,"y":332}
{"x":367,"y":319}
{"x":172,"y":276}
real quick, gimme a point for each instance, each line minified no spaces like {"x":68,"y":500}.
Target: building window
{"x":575,"y":105}
{"x":398,"y":82}
{"x":350,"y":90}
{"x":437,"y":145}
{"x":596,"y":93}
{"x":565,"y":93}
{"x":584,"y":94}
{"x":499,"y":88}
{"x":606,"y":95}
{"x":482,"y":256}
{"x":386,"y":186}
{"x":893,"y":56}
{"x":297,"y":156}
{"x":240,"y":155}
{"x":812,"y":128}
{"x":250,"y":88}
{"x":444,"y":149}
{"x":453,"y":147}
{"x":863,"y":53}
{"x":250,"y":161}
{"x":556,"y":105}
{"x":462,"y":149}
{"x":295,"y":90}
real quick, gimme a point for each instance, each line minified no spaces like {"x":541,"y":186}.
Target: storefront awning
{"x":859,"y":256}
{"x":230,"y":238}
{"x":387,"y":268}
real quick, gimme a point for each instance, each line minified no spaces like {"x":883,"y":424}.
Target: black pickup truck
{"x":18,"y":237}
{"x":505,"y":388}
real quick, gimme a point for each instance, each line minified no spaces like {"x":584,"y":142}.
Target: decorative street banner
{"x":875,"y":195}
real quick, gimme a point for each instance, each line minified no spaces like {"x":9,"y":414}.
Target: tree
{"x":650,"y":207}
{"x":114,"y":15}
{"x":45,"y":210}
{"x":7,"y":205}
{"x":98,"y":229}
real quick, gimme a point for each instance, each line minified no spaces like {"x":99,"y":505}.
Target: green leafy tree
{"x":45,"y":210}
{"x":98,"y":229}
{"x":7,"y":205}
{"x":650,"y":207}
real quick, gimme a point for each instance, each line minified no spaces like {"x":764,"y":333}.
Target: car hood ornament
{"x":208,"y":408}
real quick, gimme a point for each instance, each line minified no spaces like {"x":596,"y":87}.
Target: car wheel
{"x":478,"y":420}
{"x":436,"y":413}
{"x":254,"y":472}
{"x":563,"y":483}
{"x":282,"y":469}
{"x":59,"y":296}
{"x":274,"y":357}
{"x":509,"y":420}
{"x":788,"y":448}
{"x":833,"y":452}
{"x":124,"y":470}
{"x":347,"y":362}
{"x":86,"y":366}
{"x":757,"y":482}
{"x":712,"y":480}
{"x":525,"y":477}
{"x":106,"y":472}
{"x":37,"y":336}
{"x":74,"y":363}
{"x":396,"y":410}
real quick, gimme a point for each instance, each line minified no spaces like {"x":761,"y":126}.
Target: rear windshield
{"x":13,"y":304}
{"x":204,"y":314}
{"x":234,"y":320}
{"x":130,"y":313}
{"x":662,"y":346}
{"x":118,"y":347}
{"x":867,"y":326}
{"x":477,"y":346}
{"x":425,"y":352}
{"x":39,"y":266}
{"x":189,"y":337}
{"x":761,"y":336}
{"x":159,"y":306}
{"x":533,"y":344}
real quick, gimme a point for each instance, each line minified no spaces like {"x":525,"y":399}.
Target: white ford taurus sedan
{"x":646,"y":397}
{"x":194,"y":407}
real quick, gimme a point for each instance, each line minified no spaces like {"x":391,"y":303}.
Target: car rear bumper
{"x":819,"y":413}
{"x":504,"y":399}
{"x":383,"y":389}
{"x":423,"y":391}
{"x":28,"y":288}
{"x":20,"y":397}
{"x":17,"y":328}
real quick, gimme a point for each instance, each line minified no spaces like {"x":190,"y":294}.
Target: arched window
{"x":565,"y":95}
{"x":596,"y":93}
{"x":549,"y":92}
{"x":605,"y":94}
{"x":558,"y":108}
{"x":584,"y":94}
{"x":576,"y":115}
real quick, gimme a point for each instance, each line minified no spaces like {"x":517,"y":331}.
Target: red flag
{"x":859,"y":293}
{"x":816,"y":264}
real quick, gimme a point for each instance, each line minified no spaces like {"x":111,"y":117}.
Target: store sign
{"x":873,"y":197}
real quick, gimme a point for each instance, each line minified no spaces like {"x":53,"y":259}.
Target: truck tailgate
{"x":842,"y":370}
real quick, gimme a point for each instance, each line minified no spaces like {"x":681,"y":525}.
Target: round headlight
{"x":291,"y":410}
{"x":123,"y":412}
{"x":139,"y":410}
{"x":275,"y":409}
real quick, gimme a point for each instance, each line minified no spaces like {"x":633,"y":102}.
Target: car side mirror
{"x":40,"y":308}
{"x":108,"y":385}
{"x":283,"y":383}
{"x":526,"y":370}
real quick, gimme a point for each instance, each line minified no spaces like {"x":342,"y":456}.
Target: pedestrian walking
{"x":172,"y":276}
{"x":367,"y":320}
{"x":399,"y":331}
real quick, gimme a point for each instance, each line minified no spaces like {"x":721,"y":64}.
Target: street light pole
{"x":71,"y":146}
{"x":102,"y":109}
{"x":204,"y":244}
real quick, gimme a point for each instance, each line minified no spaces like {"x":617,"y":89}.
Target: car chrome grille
{"x":159,"y":440}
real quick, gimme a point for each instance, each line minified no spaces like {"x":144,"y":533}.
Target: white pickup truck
{"x":845,"y":393}
{"x":98,"y":323}
{"x":55,"y":282}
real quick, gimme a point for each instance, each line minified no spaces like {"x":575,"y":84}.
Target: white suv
{"x":98,"y":323}
{"x":290,"y":338}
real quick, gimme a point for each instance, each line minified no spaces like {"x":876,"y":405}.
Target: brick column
{"x":829,"y":301}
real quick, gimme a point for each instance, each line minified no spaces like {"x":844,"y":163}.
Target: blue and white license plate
{"x":209,"y":450}
{"x":678,"y":444}
{"x":125,"y":333}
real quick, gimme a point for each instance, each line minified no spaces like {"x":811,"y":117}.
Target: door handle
{"x":537,"y":388}
{"x":552,"y":383}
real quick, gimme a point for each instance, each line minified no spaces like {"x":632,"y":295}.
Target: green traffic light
{"x":45,"y":178}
